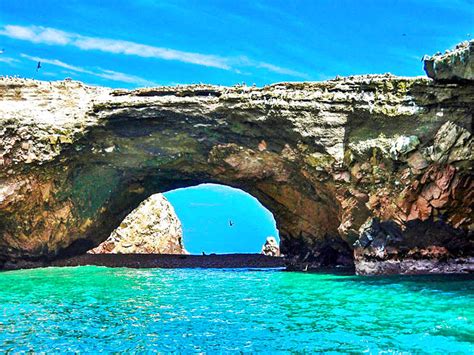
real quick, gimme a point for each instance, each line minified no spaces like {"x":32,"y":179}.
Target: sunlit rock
{"x":453,"y":65}
{"x":403,"y":145}
{"x":151,"y":228}
{"x":271,"y":247}
{"x":452,"y":143}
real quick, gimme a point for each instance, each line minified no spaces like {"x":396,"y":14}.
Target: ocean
{"x":91,"y":309}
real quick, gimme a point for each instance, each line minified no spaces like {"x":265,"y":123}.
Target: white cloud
{"x":142,"y":50}
{"x":37,"y":34}
{"x":8,"y":60}
{"x":101,"y":73}
{"x":124,"y":78}
{"x":244,"y":61}
{"x":280,"y":70}
{"x":51,"y":36}
{"x":56,"y":63}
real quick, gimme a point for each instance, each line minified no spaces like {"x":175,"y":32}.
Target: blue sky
{"x":122,"y":43}
{"x":205,"y":211}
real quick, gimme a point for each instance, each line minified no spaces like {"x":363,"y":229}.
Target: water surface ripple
{"x":90,"y":309}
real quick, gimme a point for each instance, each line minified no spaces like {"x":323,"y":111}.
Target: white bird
{"x":2,"y":51}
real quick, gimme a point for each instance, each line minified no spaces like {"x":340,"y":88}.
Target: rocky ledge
{"x":453,"y":65}
{"x":371,"y":170}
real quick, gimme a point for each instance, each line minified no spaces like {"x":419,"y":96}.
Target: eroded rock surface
{"x":422,"y":247}
{"x":324,"y":157}
{"x":152,"y":228}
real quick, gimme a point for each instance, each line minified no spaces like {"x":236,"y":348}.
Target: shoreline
{"x":245,"y":261}
{"x":165,"y":261}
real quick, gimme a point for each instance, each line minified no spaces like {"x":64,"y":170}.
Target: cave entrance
{"x":221,"y":219}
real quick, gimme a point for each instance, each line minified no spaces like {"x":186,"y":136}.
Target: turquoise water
{"x":89,"y":309}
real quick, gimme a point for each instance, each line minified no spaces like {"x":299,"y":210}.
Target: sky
{"x":123,"y":43}
{"x":205,"y":211}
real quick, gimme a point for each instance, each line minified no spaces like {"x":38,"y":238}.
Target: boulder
{"x":403,"y":145}
{"x":452,"y":143}
{"x":271,"y":247}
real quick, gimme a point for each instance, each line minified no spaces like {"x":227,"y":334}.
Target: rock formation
{"x":151,"y":228}
{"x":428,"y":247}
{"x":326,"y":158}
{"x":271,"y":247}
{"x":454,"y":65}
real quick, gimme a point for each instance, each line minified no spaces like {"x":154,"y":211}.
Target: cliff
{"x":371,"y":169}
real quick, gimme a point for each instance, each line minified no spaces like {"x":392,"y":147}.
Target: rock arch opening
{"x":202,"y":219}
{"x":220,"y":219}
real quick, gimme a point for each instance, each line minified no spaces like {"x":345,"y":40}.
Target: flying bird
{"x":231,"y":223}
{"x":2,"y":50}
{"x":38,"y":66}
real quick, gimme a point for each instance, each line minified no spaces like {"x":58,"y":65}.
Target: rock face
{"x":454,"y":65}
{"x":151,"y":228}
{"x":324,"y":157}
{"x":428,"y":247}
{"x":270,"y":248}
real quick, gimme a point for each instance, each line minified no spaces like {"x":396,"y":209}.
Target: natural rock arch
{"x":322,"y":157}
